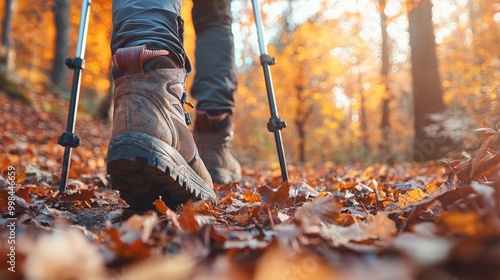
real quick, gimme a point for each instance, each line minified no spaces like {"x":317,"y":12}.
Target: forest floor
{"x":438,"y":220}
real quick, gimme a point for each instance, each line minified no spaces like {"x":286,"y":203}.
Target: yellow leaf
{"x":410,"y":197}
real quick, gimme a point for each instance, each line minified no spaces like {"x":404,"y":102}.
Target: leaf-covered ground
{"x":433,"y":221}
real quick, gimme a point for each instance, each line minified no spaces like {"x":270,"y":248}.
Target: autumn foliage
{"x":328,"y":80}
{"x":355,"y":206}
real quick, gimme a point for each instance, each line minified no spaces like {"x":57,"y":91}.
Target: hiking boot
{"x":152,"y":151}
{"x":214,"y":137}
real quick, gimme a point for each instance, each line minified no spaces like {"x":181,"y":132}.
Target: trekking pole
{"x":69,"y":139}
{"x":275,"y":124}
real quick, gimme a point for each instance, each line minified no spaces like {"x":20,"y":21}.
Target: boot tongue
{"x":211,"y":123}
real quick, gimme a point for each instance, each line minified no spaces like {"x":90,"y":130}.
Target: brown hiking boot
{"x":214,"y":137}
{"x":152,"y":151}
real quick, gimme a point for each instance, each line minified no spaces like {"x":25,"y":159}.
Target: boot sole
{"x":143,"y":168}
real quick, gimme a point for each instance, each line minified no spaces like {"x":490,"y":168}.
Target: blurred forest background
{"x":356,"y":80}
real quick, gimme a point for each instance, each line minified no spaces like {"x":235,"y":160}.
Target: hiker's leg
{"x":215,"y":79}
{"x":213,"y":87}
{"x":152,"y":152}
{"x":154,"y":23}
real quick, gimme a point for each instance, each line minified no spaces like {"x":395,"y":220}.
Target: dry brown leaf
{"x":339,"y":235}
{"x":187,"y":219}
{"x":436,"y":187}
{"x":487,"y":130}
{"x":41,"y":192}
{"x":81,"y":197}
{"x":346,"y":220}
{"x":241,"y":215}
{"x":121,"y":251}
{"x":459,"y":169}
{"x":24,"y":193}
{"x":139,"y":227}
{"x":163,"y":208}
{"x":375,"y":227}
{"x":485,"y":162}
{"x":250,"y":196}
{"x":202,"y":206}
{"x":380,"y":225}
{"x":160,"y":206}
{"x":279,"y":198}
{"x":451,"y":197}
{"x":325,"y":209}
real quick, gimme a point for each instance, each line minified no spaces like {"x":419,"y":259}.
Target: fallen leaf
{"x":117,"y":250}
{"x":65,"y":254}
{"x":138,"y":227}
{"x":276,"y":263}
{"x":250,"y":196}
{"x":187,"y":218}
{"x":325,"y":209}
{"x":81,"y":197}
{"x":485,"y":162}
{"x":411,"y":197}
{"x":160,"y":206}
{"x":462,"y":223}
{"x":279,"y":198}
{"x":487,"y":130}
{"x":163,"y":208}
{"x":375,"y":227}
{"x":424,"y":250}
{"x":380,"y":226}
{"x":436,"y":187}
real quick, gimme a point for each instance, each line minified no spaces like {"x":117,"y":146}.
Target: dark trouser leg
{"x":215,"y":80}
{"x":155,"y":23}
{"x":214,"y":85}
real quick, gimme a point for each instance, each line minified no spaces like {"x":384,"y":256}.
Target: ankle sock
{"x":212,"y":121}
{"x":139,"y":59}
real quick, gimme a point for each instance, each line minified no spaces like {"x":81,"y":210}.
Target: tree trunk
{"x":427,"y":92}
{"x":363,"y":119}
{"x":5,"y":58}
{"x":385,"y":125}
{"x":301,"y":132}
{"x":59,"y":73}
{"x":301,"y":115}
